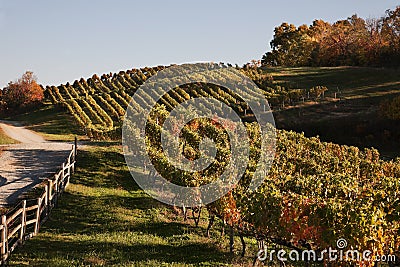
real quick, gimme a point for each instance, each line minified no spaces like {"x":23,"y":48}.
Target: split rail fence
{"x":24,"y":220}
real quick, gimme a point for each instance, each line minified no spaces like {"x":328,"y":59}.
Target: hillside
{"x":345,"y":110}
{"x":354,"y":116}
{"x":106,"y":219}
{"x":98,"y":104}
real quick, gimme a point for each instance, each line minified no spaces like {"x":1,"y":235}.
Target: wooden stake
{"x":37,"y":224}
{"x":23,"y":221}
{"x":4,"y":238}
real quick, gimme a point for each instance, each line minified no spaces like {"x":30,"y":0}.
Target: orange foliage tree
{"x":23,"y":92}
{"x":353,"y":41}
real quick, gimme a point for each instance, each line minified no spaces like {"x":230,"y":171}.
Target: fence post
{"x":75,"y":148}
{"x":56,"y":190}
{"x":39,"y":204}
{"x":73,"y":166}
{"x":68,"y":176}
{"x":4,"y":238}
{"x":63,"y":171}
{"x":48,"y":197}
{"x":62,"y":177}
{"x":23,"y":221}
{"x":69,"y":161}
{"x":69,"y":171}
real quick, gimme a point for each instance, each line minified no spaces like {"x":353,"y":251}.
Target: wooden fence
{"x":24,"y":220}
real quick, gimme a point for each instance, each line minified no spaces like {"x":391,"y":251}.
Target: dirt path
{"x":23,"y":165}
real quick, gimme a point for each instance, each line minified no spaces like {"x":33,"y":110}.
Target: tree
{"x":23,"y":92}
{"x":391,"y":33}
{"x":291,"y":46}
{"x":344,"y":44}
{"x":353,"y":41}
{"x":376,"y":42}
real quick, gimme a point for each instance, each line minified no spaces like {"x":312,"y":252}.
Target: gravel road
{"x":24,"y":165}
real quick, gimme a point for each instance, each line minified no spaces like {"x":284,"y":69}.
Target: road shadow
{"x":32,"y":166}
{"x":2,"y":180}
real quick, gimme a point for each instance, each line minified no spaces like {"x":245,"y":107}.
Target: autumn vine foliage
{"x":21,"y":93}
{"x":317,"y":192}
{"x":98,"y":104}
{"x":314,"y":194}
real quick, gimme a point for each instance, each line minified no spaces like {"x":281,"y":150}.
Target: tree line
{"x":353,"y":42}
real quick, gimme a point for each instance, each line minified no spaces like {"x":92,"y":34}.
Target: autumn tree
{"x":391,"y":33}
{"x":353,"y":41}
{"x":22,"y":93}
{"x":291,"y":46}
{"x":344,"y":44}
{"x":376,"y":41}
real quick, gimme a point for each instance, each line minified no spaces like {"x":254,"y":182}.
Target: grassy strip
{"x":5,"y":139}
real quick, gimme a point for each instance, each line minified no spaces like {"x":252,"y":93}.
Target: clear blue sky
{"x":62,"y":41}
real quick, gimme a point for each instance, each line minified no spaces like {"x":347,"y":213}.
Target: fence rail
{"x":24,"y":220}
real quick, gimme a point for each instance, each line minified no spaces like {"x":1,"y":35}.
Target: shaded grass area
{"x":349,"y":81}
{"x":5,"y":139}
{"x":53,"y":122}
{"x":354,"y":117}
{"x":104,"y":219}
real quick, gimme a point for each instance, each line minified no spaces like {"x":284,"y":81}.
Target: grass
{"x":52,"y":122}
{"x":354,"y":117}
{"x":5,"y":139}
{"x":104,"y":219}
{"x":351,"y":82}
